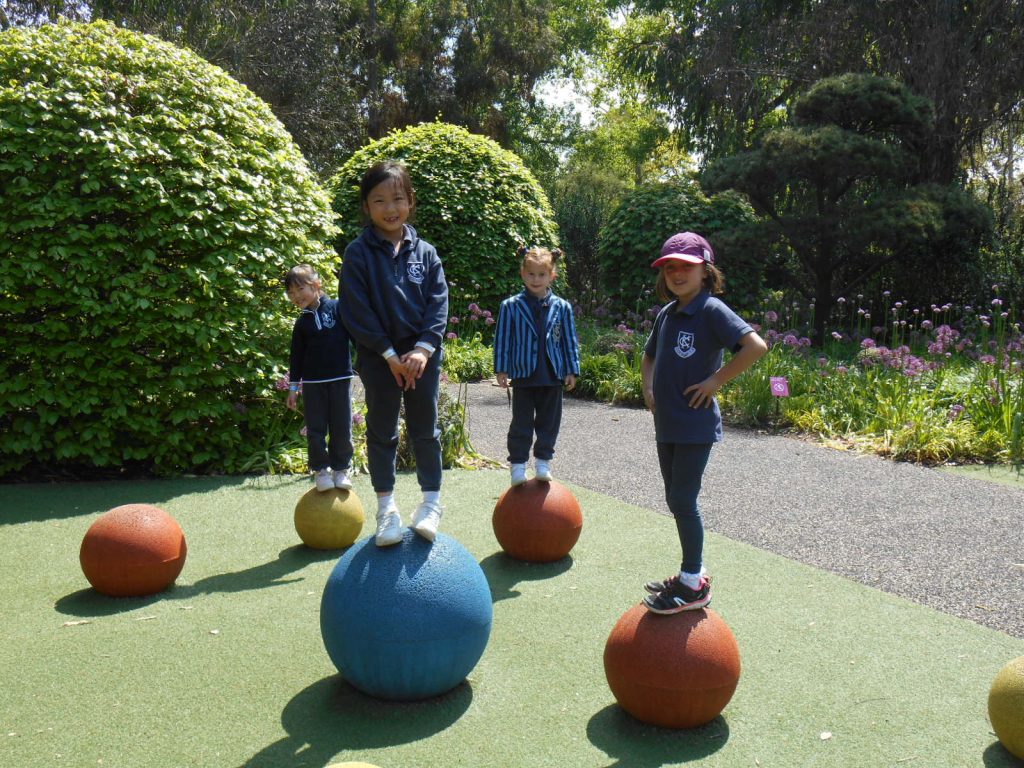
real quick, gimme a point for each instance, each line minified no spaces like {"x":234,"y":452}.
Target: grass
{"x":228,"y":668}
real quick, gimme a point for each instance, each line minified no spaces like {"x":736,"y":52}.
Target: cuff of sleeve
{"x":389,"y":353}
{"x":427,"y":346}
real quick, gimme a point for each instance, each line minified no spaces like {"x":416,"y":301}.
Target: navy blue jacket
{"x":393,"y":300}
{"x":320,"y":345}
{"x":517,"y":346}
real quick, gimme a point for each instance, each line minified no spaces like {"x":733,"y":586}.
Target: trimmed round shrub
{"x":651,"y":214}
{"x":475,"y":202}
{"x":149,"y":207}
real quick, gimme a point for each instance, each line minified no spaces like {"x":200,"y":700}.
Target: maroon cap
{"x":686,"y":246}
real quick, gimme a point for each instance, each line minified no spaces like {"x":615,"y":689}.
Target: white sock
{"x":386,"y":503}
{"x":432,"y":497}
{"x":692,"y":580}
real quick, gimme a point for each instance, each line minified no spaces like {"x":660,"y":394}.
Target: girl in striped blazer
{"x":536,"y":351}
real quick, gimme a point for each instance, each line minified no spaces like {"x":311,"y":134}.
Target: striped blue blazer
{"x":516,"y":346}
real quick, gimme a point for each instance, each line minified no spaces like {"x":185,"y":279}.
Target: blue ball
{"x":408,"y":621}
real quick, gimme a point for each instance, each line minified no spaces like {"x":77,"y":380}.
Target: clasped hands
{"x":408,"y":367}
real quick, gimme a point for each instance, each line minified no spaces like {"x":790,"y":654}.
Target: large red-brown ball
{"x":675,"y":671}
{"x":133,"y":550}
{"x":538,"y":522}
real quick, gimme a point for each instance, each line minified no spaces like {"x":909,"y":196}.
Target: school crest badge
{"x":327,"y":319}
{"x":416,"y":272}
{"x":556,"y":332}
{"x":684,"y":344}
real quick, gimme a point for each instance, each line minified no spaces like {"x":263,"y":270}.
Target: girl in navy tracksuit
{"x":682,"y":370}
{"x":395,"y":307}
{"x":321,"y":362}
{"x":535,"y":346}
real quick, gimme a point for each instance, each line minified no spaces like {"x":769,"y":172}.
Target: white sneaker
{"x":341,"y":479}
{"x":518,"y":474}
{"x":543,"y":472}
{"x":389,"y":528}
{"x":324,"y":481}
{"x":426,"y":518}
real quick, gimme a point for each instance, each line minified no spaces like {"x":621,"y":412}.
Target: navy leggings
{"x":384,"y":400}
{"x":682,"y":468}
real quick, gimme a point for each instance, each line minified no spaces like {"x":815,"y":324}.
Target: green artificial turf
{"x":1002,"y":474}
{"x":228,"y":667}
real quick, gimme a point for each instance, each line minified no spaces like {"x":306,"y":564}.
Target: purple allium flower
{"x":358,"y":418}
{"x":489,"y":320}
{"x":282,"y":383}
{"x":451,"y":335}
{"x":771,"y":316}
{"x":837,"y":335}
{"x":867,"y":343}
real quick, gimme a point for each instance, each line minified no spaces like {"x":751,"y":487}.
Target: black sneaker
{"x":679,"y":597}
{"x":654,"y":587}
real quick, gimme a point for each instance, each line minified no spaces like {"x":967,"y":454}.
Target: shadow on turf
{"x":633,"y":744}
{"x":504,"y":572}
{"x":331,"y":716}
{"x":35,"y":502}
{"x":90,"y":603}
{"x":998,"y":756}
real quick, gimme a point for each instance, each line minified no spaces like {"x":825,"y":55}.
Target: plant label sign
{"x":780,"y":386}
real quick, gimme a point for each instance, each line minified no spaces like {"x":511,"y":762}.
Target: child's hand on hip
{"x":702,"y":395}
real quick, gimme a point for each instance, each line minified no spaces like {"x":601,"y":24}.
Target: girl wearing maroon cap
{"x":682,"y":370}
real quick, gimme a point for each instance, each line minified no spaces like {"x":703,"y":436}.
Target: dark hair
{"x":538,"y":254}
{"x":714,"y":283}
{"x":387,"y":170}
{"x":300,"y":274}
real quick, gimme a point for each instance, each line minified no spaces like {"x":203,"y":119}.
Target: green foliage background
{"x":475,"y":202}
{"x":149,"y":205}
{"x":652,"y":213}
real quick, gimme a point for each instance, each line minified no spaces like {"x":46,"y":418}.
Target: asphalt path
{"x":947,"y":541}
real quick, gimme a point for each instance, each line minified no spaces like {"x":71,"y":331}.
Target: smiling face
{"x":388,"y":205}
{"x":683,"y":279}
{"x":537,"y":277}
{"x":304,"y":295}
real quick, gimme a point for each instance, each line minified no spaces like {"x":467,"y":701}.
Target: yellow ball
{"x":329,"y":519}
{"x":1006,"y":706}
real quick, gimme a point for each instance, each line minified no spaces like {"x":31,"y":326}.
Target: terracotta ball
{"x":538,"y":522}
{"x":133,"y":550}
{"x":675,"y":671}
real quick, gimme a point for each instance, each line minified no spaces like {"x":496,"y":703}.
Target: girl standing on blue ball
{"x":395,"y":307}
{"x":682,"y":370}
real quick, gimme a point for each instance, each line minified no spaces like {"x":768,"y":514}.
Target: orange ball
{"x":676,"y":671}
{"x":133,"y":550}
{"x":538,"y":522}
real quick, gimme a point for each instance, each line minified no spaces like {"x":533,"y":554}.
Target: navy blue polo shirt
{"x":687,"y":344}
